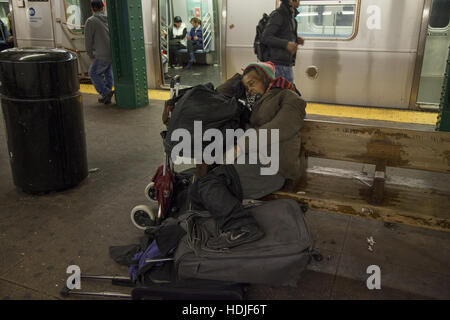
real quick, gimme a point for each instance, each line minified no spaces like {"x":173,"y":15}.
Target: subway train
{"x":378,"y":53}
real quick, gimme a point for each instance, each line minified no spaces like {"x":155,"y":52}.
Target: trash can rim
{"x":33,"y":55}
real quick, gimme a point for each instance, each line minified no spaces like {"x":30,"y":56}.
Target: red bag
{"x":164,"y":180}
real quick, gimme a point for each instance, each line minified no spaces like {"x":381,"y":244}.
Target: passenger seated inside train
{"x":5,"y":37}
{"x":274,"y":103}
{"x":177,"y":40}
{"x":194,"y":40}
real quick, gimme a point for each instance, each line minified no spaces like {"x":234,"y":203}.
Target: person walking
{"x":280,"y":36}
{"x":96,"y":33}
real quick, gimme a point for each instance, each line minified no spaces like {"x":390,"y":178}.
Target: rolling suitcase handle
{"x":65,"y":292}
{"x":175,"y":83}
{"x":123,"y":281}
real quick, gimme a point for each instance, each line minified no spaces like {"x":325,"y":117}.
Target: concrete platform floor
{"x":41,"y":236}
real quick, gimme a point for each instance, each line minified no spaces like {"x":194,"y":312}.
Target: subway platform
{"x":41,"y":236}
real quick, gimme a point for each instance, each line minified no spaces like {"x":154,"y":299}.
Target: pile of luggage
{"x":176,"y":261}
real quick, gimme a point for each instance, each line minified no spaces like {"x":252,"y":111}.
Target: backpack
{"x":201,"y":103}
{"x":276,"y":259}
{"x":260,"y":49}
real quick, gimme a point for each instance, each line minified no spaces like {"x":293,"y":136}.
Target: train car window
{"x":440,"y":14}
{"x":4,"y":10}
{"x":77,"y":12}
{"x":328,"y":19}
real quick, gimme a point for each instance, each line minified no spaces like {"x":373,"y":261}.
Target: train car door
{"x":173,"y":42}
{"x":72,"y":15}
{"x":6,"y":37}
{"x":33,"y":23}
{"x":435,"y":55}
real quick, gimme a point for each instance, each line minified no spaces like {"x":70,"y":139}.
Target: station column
{"x":128,"y":52}
{"x":443,"y":123}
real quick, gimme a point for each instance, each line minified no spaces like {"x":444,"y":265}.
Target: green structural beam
{"x":128,"y":52}
{"x":443,"y":123}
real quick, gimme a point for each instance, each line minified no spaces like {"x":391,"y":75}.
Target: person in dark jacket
{"x":96,"y":35}
{"x":280,"y":36}
{"x":177,"y":39}
{"x":194,"y":40}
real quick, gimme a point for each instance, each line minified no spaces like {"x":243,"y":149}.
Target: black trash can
{"x":43,"y":113}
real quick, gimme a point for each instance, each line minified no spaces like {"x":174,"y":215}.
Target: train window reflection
{"x":4,"y":10}
{"x":77,"y":12}
{"x":440,"y":14}
{"x":327,"y":19}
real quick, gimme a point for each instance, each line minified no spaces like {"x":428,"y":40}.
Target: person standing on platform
{"x":280,"y":36}
{"x":96,"y":33}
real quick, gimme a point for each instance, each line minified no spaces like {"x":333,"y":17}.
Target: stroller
{"x":161,"y":190}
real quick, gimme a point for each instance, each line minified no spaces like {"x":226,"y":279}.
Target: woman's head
{"x":177,"y":21}
{"x":257,"y":77}
{"x":196,"y":22}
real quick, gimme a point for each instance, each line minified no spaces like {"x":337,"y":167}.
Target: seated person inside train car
{"x":220,"y":188}
{"x":194,"y":40}
{"x":4,"y":37}
{"x":177,"y":40}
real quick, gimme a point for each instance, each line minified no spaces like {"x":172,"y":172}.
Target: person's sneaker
{"x":189,"y":65}
{"x":108,"y":97}
{"x":236,"y":237}
{"x":101,"y":100}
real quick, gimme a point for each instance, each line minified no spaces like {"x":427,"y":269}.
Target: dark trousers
{"x":221,"y":192}
{"x":191,"y":47}
{"x":174,"y":46}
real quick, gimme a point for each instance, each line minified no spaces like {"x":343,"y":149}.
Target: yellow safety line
{"x":394,"y":115}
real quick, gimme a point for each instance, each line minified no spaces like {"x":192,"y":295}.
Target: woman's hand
{"x":195,"y":38}
{"x":300,"y":41}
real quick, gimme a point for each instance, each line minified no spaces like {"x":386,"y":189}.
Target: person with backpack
{"x":98,"y":48}
{"x":280,"y":39}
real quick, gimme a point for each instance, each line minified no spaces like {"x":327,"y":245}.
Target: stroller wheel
{"x":150,"y":192}
{"x":143,"y":217}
